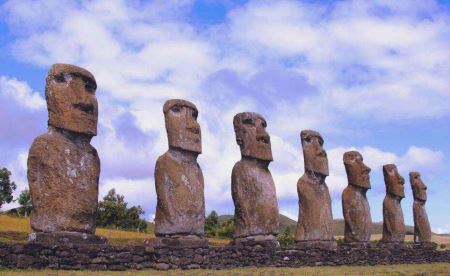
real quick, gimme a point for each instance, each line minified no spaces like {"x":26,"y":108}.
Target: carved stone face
{"x":251,"y":136}
{"x":418,"y":187}
{"x":313,"y":153}
{"x":357,"y":171}
{"x":393,"y":180}
{"x":71,"y":101}
{"x":183,"y":130}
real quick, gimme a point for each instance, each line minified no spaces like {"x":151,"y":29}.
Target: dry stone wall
{"x":107,"y":257}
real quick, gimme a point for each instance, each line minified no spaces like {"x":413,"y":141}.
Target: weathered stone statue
{"x":393,"y":223}
{"x":422,"y":230}
{"x":315,"y":219}
{"x":63,"y":167}
{"x":180,"y":209}
{"x":252,"y":186}
{"x":356,"y":209}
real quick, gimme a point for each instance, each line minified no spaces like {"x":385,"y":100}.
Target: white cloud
{"x":370,"y":59}
{"x":160,"y":58}
{"x":443,"y":230}
{"x":356,"y":61}
{"x":21,"y":92}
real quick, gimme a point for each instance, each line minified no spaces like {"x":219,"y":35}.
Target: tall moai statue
{"x":252,"y":186}
{"x":180,"y":209}
{"x":393,"y":223}
{"x":356,"y":209}
{"x":422,"y":230}
{"x":315,"y":219}
{"x":63,"y":167}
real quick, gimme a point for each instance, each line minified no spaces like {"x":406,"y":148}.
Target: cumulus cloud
{"x":388,"y":57}
{"x":331,"y":67}
{"x":443,"y":230}
{"x":134,"y":52}
{"x":22,"y":116}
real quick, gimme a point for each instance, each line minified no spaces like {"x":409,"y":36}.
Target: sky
{"x":371,"y":76}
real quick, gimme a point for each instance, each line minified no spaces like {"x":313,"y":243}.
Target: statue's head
{"x":314,"y":155}
{"x":251,"y":136}
{"x":418,"y":187}
{"x":183,"y":130}
{"x":357,"y":171}
{"x":71,"y":101}
{"x":393,"y":180}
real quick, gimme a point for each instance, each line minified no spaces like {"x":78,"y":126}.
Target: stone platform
{"x":65,"y":238}
{"x":107,"y":257}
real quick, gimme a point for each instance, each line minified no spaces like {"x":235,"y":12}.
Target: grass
{"x":15,"y":229}
{"x":416,"y":269}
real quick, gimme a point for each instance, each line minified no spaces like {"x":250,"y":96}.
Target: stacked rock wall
{"x":107,"y":257}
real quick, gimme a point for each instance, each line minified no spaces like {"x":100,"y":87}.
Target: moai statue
{"x":315,"y":219}
{"x":252,"y":186}
{"x":356,"y":209}
{"x":63,"y":167}
{"x":422,"y":230}
{"x":180,"y":209}
{"x":393,"y":223}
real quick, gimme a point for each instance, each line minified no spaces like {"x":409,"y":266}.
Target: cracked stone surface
{"x":355,"y":206}
{"x":252,"y":185}
{"x":180,"y":208}
{"x":63,"y":167}
{"x":315,"y":219}
{"x":393,"y":222}
{"x":422,"y":229}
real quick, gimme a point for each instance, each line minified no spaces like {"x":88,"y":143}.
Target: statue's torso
{"x":255,"y":200}
{"x":63,"y":178}
{"x":393,"y":223}
{"x":180,"y":205}
{"x":422,"y":230}
{"x":356,"y":209}
{"x":315,"y":219}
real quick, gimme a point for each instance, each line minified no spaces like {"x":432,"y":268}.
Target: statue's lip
{"x":87,"y":108}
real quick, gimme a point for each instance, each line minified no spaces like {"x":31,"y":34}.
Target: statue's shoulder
{"x":304,"y":180}
{"x":164,"y":159}
{"x":44,"y":139}
{"x":389,"y":202}
{"x":347,"y":192}
{"x":43,"y":142}
{"x":238,"y":165}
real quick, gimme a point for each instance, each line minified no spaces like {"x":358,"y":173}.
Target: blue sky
{"x":369,"y":75}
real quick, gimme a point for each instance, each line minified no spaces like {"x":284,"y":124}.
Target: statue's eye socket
{"x":248,"y":121}
{"x":176,"y":108}
{"x":60,"y":77}
{"x":308,"y":139}
{"x":195,"y":114}
{"x":89,"y":85}
{"x":264,"y":124}
{"x":320,"y":141}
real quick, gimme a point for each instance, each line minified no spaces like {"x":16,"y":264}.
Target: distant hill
{"x":338,"y":227}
